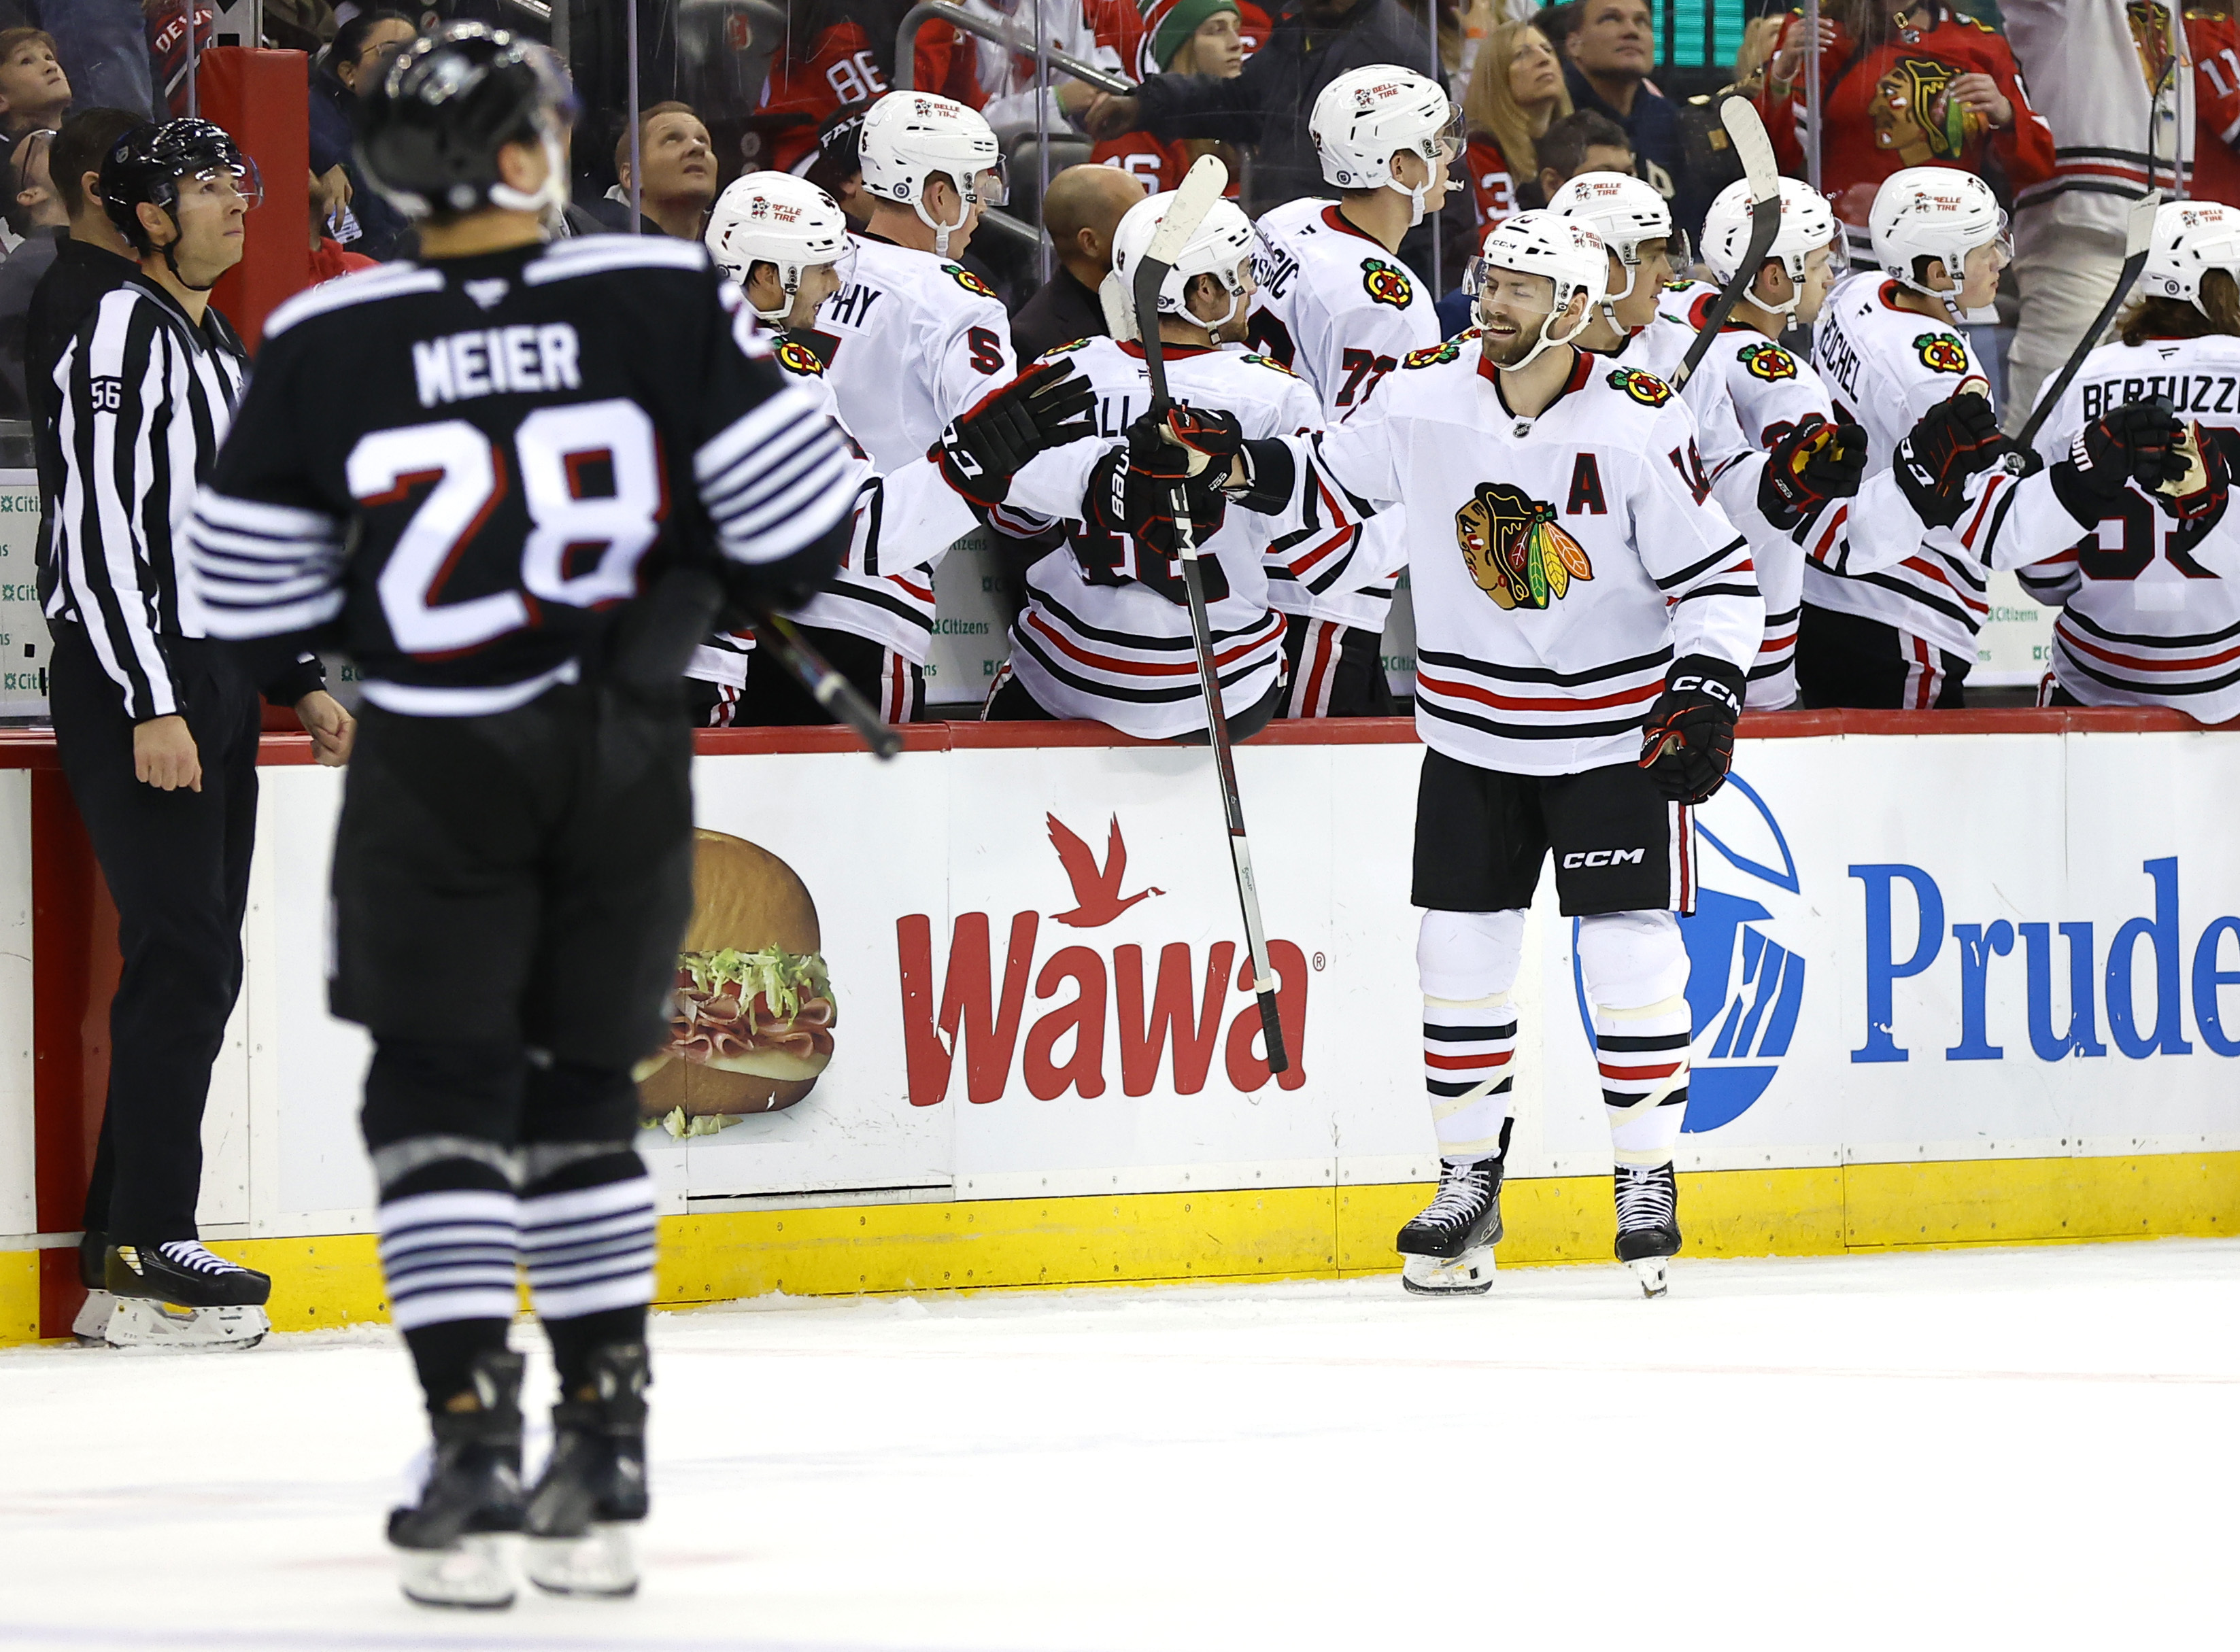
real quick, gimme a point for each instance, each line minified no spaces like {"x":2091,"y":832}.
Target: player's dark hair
{"x":2149,"y":318}
{"x":348,"y":44}
{"x":84,"y":143}
{"x":1564,"y":146}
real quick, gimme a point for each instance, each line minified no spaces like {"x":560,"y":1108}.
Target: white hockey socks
{"x":1636,"y":969}
{"x":1467,"y":961}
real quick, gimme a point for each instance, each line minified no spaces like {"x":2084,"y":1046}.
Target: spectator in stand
{"x":837,"y":55}
{"x":1516,"y":93}
{"x":2214,"y":44}
{"x":1579,"y":142}
{"x":33,"y":91}
{"x":1192,"y":38}
{"x":361,"y":50}
{"x":838,"y":168}
{"x":106,"y":41}
{"x":1902,"y":83}
{"x":167,"y":49}
{"x":36,"y":215}
{"x":999,"y":84}
{"x":677,"y":185}
{"x":2093,"y":67}
{"x":1084,"y":207}
{"x":1309,"y":44}
{"x":1608,"y":54}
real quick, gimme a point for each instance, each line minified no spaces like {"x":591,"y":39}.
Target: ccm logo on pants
{"x":1577,"y":858}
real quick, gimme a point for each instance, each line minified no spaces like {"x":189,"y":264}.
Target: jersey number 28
{"x":580,"y":551}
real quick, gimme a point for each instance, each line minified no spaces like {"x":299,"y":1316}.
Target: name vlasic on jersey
{"x":1122,"y":654}
{"x":1341,"y":311}
{"x":1559,"y":563}
{"x":1884,"y":367}
{"x":2150,"y":609}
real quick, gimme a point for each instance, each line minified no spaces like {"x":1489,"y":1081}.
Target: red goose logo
{"x":965,"y":1012}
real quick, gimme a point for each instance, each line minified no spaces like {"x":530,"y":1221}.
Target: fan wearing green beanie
{"x":1185,"y":38}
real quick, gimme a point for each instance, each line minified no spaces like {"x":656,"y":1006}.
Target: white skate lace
{"x":189,"y":1255}
{"x":1645,"y":1199}
{"x":1461,"y":1188}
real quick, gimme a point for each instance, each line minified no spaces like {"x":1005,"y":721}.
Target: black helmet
{"x":148,"y":162}
{"x":428,"y":136}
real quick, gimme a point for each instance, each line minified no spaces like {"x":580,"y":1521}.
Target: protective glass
{"x":992,"y":188}
{"x":1447,"y":141}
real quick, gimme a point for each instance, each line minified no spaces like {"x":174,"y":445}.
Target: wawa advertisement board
{"x":1904,"y":947}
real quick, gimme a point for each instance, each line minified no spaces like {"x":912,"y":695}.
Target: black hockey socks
{"x":587,"y":1242}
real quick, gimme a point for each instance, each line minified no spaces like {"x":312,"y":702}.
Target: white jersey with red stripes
{"x":2121,"y":109}
{"x":1560,"y":564}
{"x":1341,"y":310}
{"x":2150,"y":609}
{"x":1884,"y":367}
{"x":1121,"y":654}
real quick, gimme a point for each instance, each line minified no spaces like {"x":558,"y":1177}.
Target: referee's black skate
{"x":178,"y":1294}
{"x":448,"y":1543}
{"x":1449,"y":1248}
{"x":593,"y":1489}
{"x":1648,"y":1223}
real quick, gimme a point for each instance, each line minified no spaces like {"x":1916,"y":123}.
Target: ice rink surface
{"x":1995,"y":1448}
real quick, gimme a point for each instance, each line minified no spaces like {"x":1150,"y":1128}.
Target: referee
{"x":157,"y":727}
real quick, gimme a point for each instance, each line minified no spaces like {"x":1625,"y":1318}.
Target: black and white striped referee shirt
{"x":146,"y":398}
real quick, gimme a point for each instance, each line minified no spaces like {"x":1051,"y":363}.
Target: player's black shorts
{"x":1844,"y":660}
{"x":1482,"y":835}
{"x":523,"y":876}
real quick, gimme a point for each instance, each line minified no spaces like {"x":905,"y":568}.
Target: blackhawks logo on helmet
{"x":1386,"y":284}
{"x":1769,"y":362}
{"x":967,"y":280}
{"x":1941,"y":352}
{"x":797,"y":357}
{"x":1645,"y":388}
{"x":1517,"y":552}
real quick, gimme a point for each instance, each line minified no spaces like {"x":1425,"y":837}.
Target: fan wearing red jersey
{"x":1182,"y":38}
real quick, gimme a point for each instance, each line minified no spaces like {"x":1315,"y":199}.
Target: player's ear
{"x":521,"y":166}
{"x":154,"y":222}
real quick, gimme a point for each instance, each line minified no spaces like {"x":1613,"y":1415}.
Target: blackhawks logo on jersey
{"x":1941,"y":352}
{"x":1439,"y":354}
{"x":1270,"y":361}
{"x":967,"y":280}
{"x":1066,"y":348}
{"x":1517,"y":552}
{"x":1769,"y":362}
{"x":797,"y":357}
{"x":1645,"y":388}
{"x":1386,"y":284}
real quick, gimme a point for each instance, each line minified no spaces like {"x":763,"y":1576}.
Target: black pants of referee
{"x":177,"y":867}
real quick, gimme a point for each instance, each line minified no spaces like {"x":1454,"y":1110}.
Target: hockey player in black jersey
{"x":551,"y":468}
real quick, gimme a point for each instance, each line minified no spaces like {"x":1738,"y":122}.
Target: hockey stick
{"x":1747,"y":133}
{"x":2138,"y":231}
{"x":800,"y":660}
{"x":1200,"y":189}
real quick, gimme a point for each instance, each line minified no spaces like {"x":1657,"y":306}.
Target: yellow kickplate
{"x":19,"y":1298}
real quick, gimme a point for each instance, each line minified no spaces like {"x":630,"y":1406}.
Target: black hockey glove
{"x":2138,"y":441}
{"x":1815,"y":463}
{"x":2197,"y":499}
{"x":983,"y":448}
{"x":1688,"y":743}
{"x":1954,"y":439}
{"x":1214,"y":436}
{"x":1129,"y":523}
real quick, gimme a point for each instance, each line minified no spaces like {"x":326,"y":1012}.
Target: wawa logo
{"x":964,"y":1013}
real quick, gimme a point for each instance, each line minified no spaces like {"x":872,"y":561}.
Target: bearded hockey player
{"x":1338,"y":308}
{"x":1105,"y":633}
{"x":1587,"y":616}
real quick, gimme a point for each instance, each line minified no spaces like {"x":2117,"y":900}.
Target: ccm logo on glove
{"x":1711,"y":686}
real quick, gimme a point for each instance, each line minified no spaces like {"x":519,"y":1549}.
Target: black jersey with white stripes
{"x":459,"y":472}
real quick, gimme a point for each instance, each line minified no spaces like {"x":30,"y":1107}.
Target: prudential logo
{"x":1745,"y":958}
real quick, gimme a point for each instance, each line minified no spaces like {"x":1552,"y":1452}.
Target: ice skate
{"x":178,"y":1295}
{"x":593,"y":1489}
{"x":1648,"y":1223}
{"x":451,"y":1543}
{"x":1449,"y":1248}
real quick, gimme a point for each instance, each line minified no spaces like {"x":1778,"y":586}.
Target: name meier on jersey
{"x":497,"y":361}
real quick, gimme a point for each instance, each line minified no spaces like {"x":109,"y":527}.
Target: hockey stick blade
{"x":1747,"y":133}
{"x":800,"y":660}
{"x":2138,"y":233}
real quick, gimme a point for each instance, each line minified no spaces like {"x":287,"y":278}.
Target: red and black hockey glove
{"x":1216,"y":437}
{"x":2136,"y":442}
{"x":1815,"y":463}
{"x":2198,"y":498}
{"x":1688,"y":743}
{"x":983,"y":448}
{"x":1953,"y":440}
{"x":1128,"y":514}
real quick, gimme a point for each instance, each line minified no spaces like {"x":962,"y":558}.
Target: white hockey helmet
{"x":1566,"y":250}
{"x":1366,"y":115}
{"x":1934,"y":212}
{"x":2190,"y":239}
{"x":1808,"y":224}
{"x":1624,"y":212}
{"x":1224,"y":242}
{"x":777,"y":218}
{"x":908,"y":136}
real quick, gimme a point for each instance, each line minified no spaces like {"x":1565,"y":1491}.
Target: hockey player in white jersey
{"x":1105,"y":633}
{"x":912,"y":339}
{"x":1586,"y":617}
{"x":1338,"y":308}
{"x":2150,"y":598}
